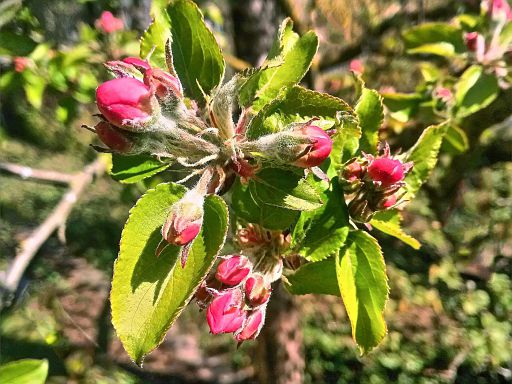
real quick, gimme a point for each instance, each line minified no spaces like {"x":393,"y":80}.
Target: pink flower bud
{"x":356,"y":66}
{"x":252,"y":325}
{"x":353,"y":172}
{"x":113,"y":138}
{"x":20,"y":63}
{"x":319,"y":148}
{"x":141,"y":65}
{"x":389,"y":202}
{"x":233,"y":270}
{"x":185,"y":219}
{"x":109,"y":23}
{"x":475,"y":42}
{"x":257,"y":290}
{"x":443,"y":94}
{"x":225,"y":313}
{"x":386,"y":170}
{"x":163,"y":83}
{"x":497,"y":9}
{"x":126,"y":102}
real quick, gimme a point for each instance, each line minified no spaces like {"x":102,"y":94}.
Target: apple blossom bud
{"x":225,"y":313}
{"x":113,"y":137}
{"x":475,"y":42}
{"x":233,"y":270}
{"x":257,"y":290}
{"x":185,"y":219}
{"x":163,"y":83}
{"x":353,"y":172}
{"x":109,"y":23}
{"x":497,"y":9}
{"x":141,"y":65}
{"x":20,"y":63}
{"x":443,"y":94}
{"x":252,"y":325}
{"x":318,"y":150}
{"x":126,"y":103}
{"x":388,"y":202}
{"x":386,"y":171}
{"x":356,"y":66}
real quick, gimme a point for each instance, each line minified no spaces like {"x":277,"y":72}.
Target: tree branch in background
{"x":37,"y":174}
{"x":30,"y":246}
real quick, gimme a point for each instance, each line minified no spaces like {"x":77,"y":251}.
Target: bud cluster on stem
{"x":235,"y":298}
{"x":374,"y":183}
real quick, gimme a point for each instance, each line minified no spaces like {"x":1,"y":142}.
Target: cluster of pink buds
{"x":108,"y":23}
{"x":374,"y":183}
{"x":235,"y":298}
{"x":497,"y":9}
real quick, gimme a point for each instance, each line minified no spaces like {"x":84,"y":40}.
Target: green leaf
{"x":402,"y":106}
{"x":435,"y":38}
{"x":284,"y":189}
{"x":34,"y":88}
{"x":364,"y":288}
{"x":297,"y":104}
{"x":156,"y":37}
{"x":269,"y":217}
{"x":424,"y":156}
{"x":389,"y":222}
{"x":320,"y":233}
{"x":149,"y":292}
{"x":345,"y":143}
{"x":455,"y":140}
{"x":8,"y":11}
{"x":15,"y":45}
{"x":26,"y":371}
{"x":196,"y":55}
{"x":474,"y":90}
{"x":317,"y":278}
{"x":131,"y":169}
{"x":370,"y":111}
{"x":295,"y":54}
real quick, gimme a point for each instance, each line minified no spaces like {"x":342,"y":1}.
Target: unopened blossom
{"x":113,"y":137}
{"x":225,"y":313}
{"x":318,"y":149}
{"x":233,"y":270}
{"x":163,"y":83}
{"x":257,"y":290}
{"x":252,"y":325}
{"x":108,"y":23}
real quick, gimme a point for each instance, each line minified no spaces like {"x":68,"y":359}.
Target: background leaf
{"x":424,"y":155}
{"x":131,"y":169}
{"x":318,"y":278}
{"x":149,"y":292}
{"x":320,"y":233}
{"x":370,"y":111}
{"x":389,"y":222}
{"x":474,"y":90}
{"x":295,"y":54}
{"x":435,"y":38}
{"x":156,"y":36}
{"x":363,"y":285}
{"x":26,"y":371}
{"x":196,"y":55}
{"x":284,"y":189}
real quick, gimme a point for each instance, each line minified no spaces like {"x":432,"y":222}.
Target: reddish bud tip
{"x":225,"y":314}
{"x":125,"y":102}
{"x":389,"y":202}
{"x":257,"y":290}
{"x":185,"y":219}
{"x":386,"y":170}
{"x":164,"y":84}
{"x":141,"y":65}
{"x":319,"y":148}
{"x":356,"y":66}
{"x":252,"y":326}
{"x":233,"y":270}
{"x":20,"y":63}
{"x":353,"y":172}
{"x":113,"y":138}
{"x":108,"y":23}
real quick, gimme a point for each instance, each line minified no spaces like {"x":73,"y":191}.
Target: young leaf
{"x":402,"y":106}
{"x":149,"y":292}
{"x":318,"y":278}
{"x":320,"y":233}
{"x":196,"y":55}
{"x":29,"y":371}
{"x":435,"y":38}
{"x":475,"y":90}
{"x":345,"y":143}
{"x":284,"y":189}
{"x":370,"y":111}
{"x":131,"y":169}
{"x":296,"y":54}
{"x":269,"y":217}
{"x":424,"y":156}
{"x":364,"y":288}
{"x":297,"y":104}
{"x":389,"y":223}
{"x":455,"y":140}
{"x":154,"y":39}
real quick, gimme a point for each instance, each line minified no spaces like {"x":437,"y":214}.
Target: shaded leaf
{"x":474,"y":90}
{"x":131,"y":169}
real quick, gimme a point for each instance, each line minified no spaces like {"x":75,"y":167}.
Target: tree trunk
{"x":280,"y":357}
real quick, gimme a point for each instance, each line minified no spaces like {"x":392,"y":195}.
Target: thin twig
{"x":56,"y":219}
{"x":38,"y":174}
